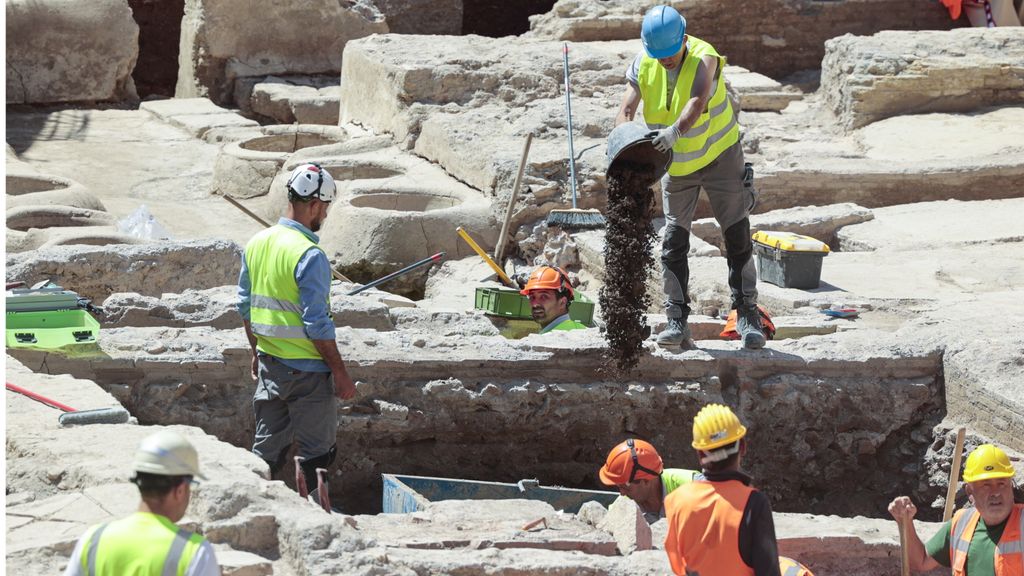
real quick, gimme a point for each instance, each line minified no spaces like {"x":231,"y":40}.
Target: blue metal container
{"x":404,"y":494}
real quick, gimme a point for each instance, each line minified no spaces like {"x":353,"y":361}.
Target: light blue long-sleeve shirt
{"x":313,"y":276}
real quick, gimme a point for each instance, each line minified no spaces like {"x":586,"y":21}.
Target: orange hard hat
{"x":548,"y":278}
{"x":627,"y":461}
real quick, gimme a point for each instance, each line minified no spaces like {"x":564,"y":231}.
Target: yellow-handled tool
{"x":497,"y":270}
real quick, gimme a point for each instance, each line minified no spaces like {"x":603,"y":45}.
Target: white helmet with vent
{"x":312,"y":181}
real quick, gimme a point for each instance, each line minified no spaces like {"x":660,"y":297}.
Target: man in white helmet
{"x":284,"y":299}
{"x":148,"y":542}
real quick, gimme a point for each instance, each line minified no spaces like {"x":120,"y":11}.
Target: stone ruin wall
{"x":773,"y":37}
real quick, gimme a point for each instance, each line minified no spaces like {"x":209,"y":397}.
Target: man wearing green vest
{"x":636,"y":469}
{"x":284,"y":300}
{"x":550,"y":294}
{"x":148,"y":543}
{"x":679,"y":78}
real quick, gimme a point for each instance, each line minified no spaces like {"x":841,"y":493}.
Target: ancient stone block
{"x":96,"y":271}
{"x":626,"y":524}
{"x":60,"y":51}
{"x":866,"y":79}
{"x":224,"y":41}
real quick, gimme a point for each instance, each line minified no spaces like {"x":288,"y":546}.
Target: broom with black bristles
{"x":574,"y":219}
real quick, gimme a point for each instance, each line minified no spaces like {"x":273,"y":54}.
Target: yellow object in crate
{"x":790,"y":242}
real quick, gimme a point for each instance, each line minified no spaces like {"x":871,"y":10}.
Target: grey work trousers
{"x":731,"y":202}
{"x":292,"y":404}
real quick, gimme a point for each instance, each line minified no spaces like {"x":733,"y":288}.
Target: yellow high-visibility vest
{"x":275,"y":309}
{"x":139,"y":545}
{"x":715,"y":130}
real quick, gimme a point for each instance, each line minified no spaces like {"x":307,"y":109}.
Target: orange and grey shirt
{"x":723,"y":526}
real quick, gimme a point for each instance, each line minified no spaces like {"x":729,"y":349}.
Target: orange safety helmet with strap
{"x":549,"y":278}
{"x":631,"y":460}
{"x":729,"y":332}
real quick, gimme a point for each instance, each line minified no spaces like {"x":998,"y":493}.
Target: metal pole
{"x":435,"y":258}
{"x":568,"y":119}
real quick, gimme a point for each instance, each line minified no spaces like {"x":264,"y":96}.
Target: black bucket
{"x":631,"y":144}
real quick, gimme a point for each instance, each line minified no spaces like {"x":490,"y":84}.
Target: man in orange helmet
{"x":636,"y":469}
{"x":721,"y":524}
{"x":984,"y":540}
{"x":550,"y":295}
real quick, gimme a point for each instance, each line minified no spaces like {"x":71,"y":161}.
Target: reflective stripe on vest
{"x":707,"y":518}
{"x":716,"y":128}
{"x":1009,"y":555}
{"x":139,"y":544}
{"x":275,"y":308}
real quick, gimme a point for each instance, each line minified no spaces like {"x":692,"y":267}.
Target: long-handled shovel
{"x":954,"y":475}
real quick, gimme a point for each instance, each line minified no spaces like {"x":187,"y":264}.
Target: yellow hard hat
{"x":716,"y":426}
{"x":985,"y":462}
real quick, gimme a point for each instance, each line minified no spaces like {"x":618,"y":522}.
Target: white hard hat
{"x":167,"y":453}
{"x":312,"y":181}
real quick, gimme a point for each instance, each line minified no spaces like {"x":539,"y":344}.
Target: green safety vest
{"x":672,"y":478}
{"x":275,"y":309}
{"x":142,"y":544}
{"x":715,"y":130}
{"x":567,"y":324}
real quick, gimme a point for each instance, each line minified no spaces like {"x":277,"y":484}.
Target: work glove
{"x":666,"y":138}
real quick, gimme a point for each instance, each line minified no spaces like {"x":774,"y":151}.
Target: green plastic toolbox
{"x":509,"y":303}
{"x":51,"y":329}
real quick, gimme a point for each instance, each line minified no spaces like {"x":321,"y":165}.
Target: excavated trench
{"x":826,"y":436}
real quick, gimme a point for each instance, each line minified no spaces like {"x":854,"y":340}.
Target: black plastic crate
{"x":788,"y":269}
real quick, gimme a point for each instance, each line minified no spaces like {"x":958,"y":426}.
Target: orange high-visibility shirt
{"x":703,"y":528}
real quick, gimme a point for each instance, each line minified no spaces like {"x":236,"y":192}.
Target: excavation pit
{"x":403,"y":202}
{"x":485,"y":408}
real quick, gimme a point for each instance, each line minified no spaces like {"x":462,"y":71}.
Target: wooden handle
{"x":499,"y":250}
{"x":954,"y":475}
{"x":476,"y":248}
{"x":904,"y":551}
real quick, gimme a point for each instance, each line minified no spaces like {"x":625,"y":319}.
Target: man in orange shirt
{"x":721,"y":525}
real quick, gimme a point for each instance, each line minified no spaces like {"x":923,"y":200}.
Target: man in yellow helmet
{"x":550,"y":294}
{"x":148,"y":543}
{"x":636,"y":470}
{"x":720,"y":525}
{"x":984,"y":540}
{"x":680,"y":80}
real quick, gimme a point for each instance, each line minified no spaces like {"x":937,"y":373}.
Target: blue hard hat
{"x":662,"y":32}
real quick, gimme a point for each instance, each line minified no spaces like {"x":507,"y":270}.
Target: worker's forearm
{"x":328,"y":350}
{"x":627,"y":109}
{"x":690,"y":114}
{"x":916,"y":553}
{"x":249,"y":335}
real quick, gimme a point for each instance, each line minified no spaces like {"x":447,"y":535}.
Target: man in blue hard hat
{"x":679,"y":78}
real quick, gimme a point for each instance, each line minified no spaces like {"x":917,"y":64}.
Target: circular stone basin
{"x":404,"y":201}
{"x":18,"y":185}
{"x":361,"y":170}
{"x":287,"y":143}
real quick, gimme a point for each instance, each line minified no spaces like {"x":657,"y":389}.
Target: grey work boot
{"x":677,"y":333}
{"x":748,"y":326}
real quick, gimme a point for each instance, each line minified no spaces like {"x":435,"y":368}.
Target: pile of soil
{"x":627,"y":262}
